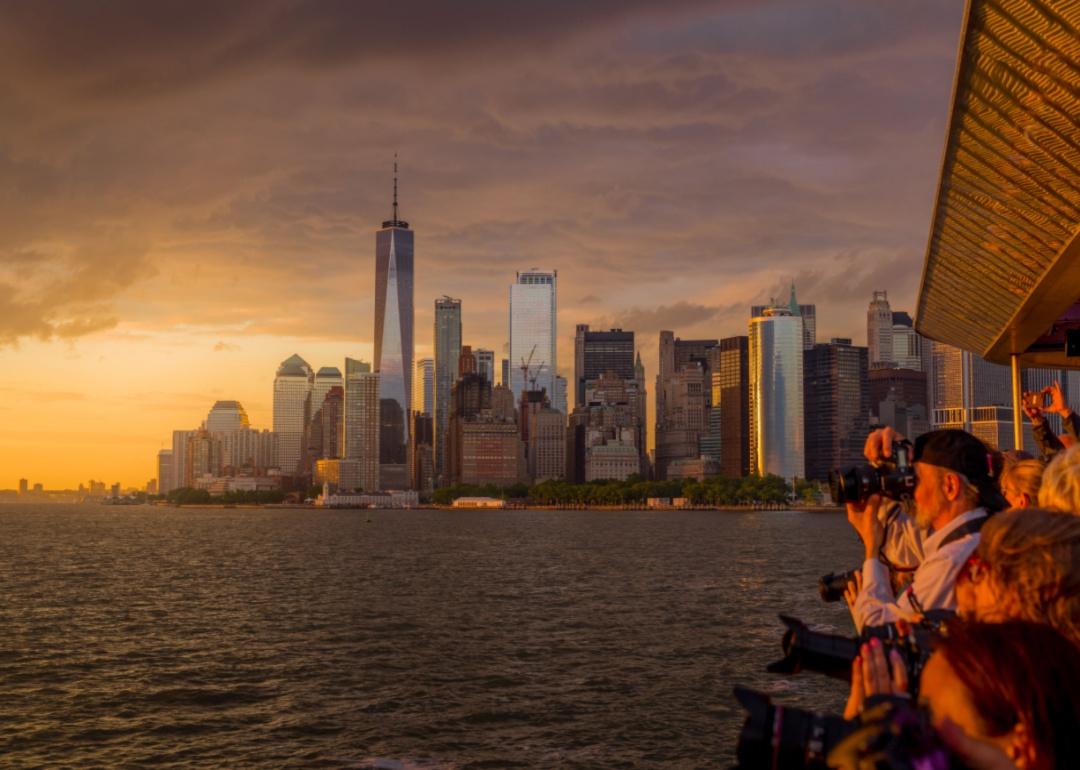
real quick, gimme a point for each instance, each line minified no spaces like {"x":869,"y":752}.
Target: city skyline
{"x":673,"y":172}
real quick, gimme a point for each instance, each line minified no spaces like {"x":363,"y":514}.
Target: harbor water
{"x":201,"y":638}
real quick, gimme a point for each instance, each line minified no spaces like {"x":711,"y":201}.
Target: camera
{"x":891,"y":734}
{"x":832,"y":655}
{"x":775,"y":736}
{"x":894,"y":478}
{"x":832,"y":586}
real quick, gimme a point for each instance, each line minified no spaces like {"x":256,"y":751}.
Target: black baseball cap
{"x":959,"y":451}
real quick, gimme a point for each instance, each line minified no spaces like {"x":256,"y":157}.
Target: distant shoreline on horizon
{"x":302,"y":507}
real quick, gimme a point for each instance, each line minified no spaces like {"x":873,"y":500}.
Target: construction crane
{"x":525,"y":367}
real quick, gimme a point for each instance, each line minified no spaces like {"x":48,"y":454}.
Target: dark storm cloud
{"x":138,"y":48}
{"x":223,"y":165}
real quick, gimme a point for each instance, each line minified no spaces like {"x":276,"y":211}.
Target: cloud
{"x":225,"y":347}
{"x":141,"y":49}
{"x":222,"y":167}
{"x":649,"y":321}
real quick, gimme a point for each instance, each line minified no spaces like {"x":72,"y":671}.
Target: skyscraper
{"x":777,"y":443}
{"x":467,"y":361}
{"x":808,"y":314}
{"x":682,"y":399}
{"x":879,"y":333}
{"x":423,"y":399}
{"x":447,"y":355}
{"x":394,"y":341}
{"x":164,"y":475}
{"x":179,"y":457}
{"x":837,"y":403}
{"x":485,"y":364}
{"x":361,"y":421}
{"x":326,"y":378}
{"x":598,"y":352}
{"x":292,"y":411}
{"x":533,"y":331}
{"x":227,"y":416}
{"x":731,"y":396}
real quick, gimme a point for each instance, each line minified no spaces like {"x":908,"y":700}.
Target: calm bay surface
{"x":196,"y":638}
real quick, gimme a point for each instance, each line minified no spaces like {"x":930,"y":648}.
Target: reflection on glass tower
{"x":394,"y":341}
{"x":776,"y":394}
{"x":532,"y":332}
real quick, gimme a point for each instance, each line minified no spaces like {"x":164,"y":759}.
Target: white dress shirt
{"x":935,"y":579}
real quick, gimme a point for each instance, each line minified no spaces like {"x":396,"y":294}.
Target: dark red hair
{"x":1021,"y":673}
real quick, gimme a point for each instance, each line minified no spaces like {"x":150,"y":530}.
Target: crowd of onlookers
{"x":994,"y":537}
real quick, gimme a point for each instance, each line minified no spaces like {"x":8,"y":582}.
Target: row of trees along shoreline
{"x":719,"y":491}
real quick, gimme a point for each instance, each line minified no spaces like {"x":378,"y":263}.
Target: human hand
{"x":976,"y":754}
{"x":879,"y":443}
{"x":1032,"y":406}
{"x":854,"y":588}
{"x":871,"y":675}
{"x":863,"y":517}
{"x":1057,"y":403}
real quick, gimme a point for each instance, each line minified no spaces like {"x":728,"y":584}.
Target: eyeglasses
{"x":974,"y":569}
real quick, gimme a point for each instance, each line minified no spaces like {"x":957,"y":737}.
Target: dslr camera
{"x":891,"y":734}
{"x":894,"y":478}
{"x":832,"y":655}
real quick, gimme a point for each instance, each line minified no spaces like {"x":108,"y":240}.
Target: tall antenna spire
{"x":394,"y":221}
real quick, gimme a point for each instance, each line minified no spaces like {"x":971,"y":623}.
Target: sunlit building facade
{"x":361,"y":421}
{"x":533,"y":337}
{"x":423,"y":399}
{"x":731,"y":401}
{"x":292,"y":411}
{"x":447,"y":359}
{"x":226,"y":416}
{"x":777,"y":441}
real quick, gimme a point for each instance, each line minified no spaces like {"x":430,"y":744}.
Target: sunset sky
{"x":189,"y":190}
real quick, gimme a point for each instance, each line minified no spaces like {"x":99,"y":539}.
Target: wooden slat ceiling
{"x":1008,"y":204}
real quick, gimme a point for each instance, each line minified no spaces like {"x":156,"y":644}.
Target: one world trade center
{"x":394,"y":344}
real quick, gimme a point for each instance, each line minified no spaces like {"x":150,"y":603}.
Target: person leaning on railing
{"x":956,"y":489}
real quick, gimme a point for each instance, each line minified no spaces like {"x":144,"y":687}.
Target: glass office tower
{"x":447,"y":354}
{"x":394,"y":341}
{"x":777,"y":442}
{"x":532,"y":331}
{"x":292,"y":410}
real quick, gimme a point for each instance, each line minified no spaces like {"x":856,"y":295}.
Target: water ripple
{"x":175,"y":638}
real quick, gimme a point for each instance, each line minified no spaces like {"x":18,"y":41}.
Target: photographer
{"x":1001,"y":695}
{"x":1052,"y":400}
{"x":955,"y":489}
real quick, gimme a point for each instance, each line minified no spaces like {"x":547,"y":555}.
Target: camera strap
{"x":965,"y":529}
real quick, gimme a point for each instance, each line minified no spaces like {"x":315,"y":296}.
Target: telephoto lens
{"x":776,"y":736}
{"x":832,"y":655}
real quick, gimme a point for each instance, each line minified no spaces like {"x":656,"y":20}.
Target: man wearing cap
{"x":955,"y":490}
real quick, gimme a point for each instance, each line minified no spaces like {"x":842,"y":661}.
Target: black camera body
{"x":891,"y":734}
{"x":832,"y":586}
{"x":894,"y":478}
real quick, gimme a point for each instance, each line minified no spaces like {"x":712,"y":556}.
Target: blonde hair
{"x":1061,"y":482}
{"x":1034,"y":555}
{"x":1024,"y":476}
